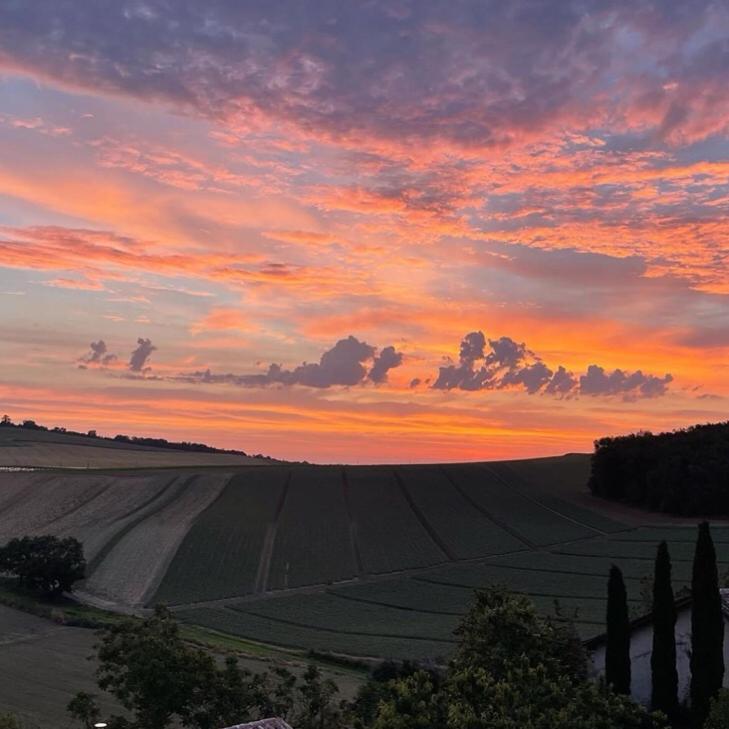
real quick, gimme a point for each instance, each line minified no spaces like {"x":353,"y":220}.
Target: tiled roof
{"x":263,"y":724}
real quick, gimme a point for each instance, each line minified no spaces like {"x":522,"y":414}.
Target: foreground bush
{"x":513,"y":670}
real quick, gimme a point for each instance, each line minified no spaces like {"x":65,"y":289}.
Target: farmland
{"x":371,"y":561}
{"x":23,"y":448}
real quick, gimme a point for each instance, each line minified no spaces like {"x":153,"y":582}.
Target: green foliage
{"x":84,"y":709}
{"x":718,"y":717}
{"x":707,"y":627}
{"x":684,"y":472}
{"x":513,"y":670}
{"x":617,"y":646}
{"x":415,"y":704}
{"x":501,"y":625}
{"x":316,"y":700}
{"x":533,"y":697}
{"x":664,"y":692}
{"x":46,"y":563}
{"x":10,"y":721}
{"x":161,"y":681}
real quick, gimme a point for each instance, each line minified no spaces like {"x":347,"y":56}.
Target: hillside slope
{"x":373,"y":561}
{"x":25,"y":448}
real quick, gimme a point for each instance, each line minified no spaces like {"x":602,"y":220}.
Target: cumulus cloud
{"x":98,"y":355}
{"x":349,"y":362}
{"x":386,"y":360}
{"x":509,"y":364}
{"x":140,"y":356}
{"x":598,"y":382}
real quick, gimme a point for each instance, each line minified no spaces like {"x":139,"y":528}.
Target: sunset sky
{"x":365,"y":231}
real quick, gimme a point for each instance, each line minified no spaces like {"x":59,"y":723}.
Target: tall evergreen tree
{"x":617,"y":648}
{"x":664,"y":693}
{"x":707,"y":627}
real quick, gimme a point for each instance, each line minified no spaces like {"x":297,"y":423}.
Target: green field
{"x":367,"y":561}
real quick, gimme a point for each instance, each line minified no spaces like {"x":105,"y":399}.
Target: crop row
{"x":313,"y":540}
{"x":505,"y":502}
{"x":388,"y":533}
{"x":276,"y":632}
{"x":220,"y":555}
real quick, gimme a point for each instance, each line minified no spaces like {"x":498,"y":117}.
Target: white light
{"x":100,"y":725}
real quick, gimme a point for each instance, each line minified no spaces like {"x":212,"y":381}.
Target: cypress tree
{"x":664,"y":692}
{"x":617,"y":648}
{"x":707,"y":627}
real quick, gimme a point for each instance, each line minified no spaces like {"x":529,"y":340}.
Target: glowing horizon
{"x":398,"y":231}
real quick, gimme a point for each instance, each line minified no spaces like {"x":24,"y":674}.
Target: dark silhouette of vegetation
{"x":718,"y":717}
{"x":161,"y":681}
{"x":685,"y":472}
{"x":44,"y":564}
{"x":7,"y":422}
{"x":664,"y":691}
{"x":537,"y":682}
{"x":617,"y":646}
{"x":707,"y":627}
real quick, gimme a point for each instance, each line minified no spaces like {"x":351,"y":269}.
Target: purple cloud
{"x":510,"y":364}
{"x":98,"y":355}
{"x":343,"y":365}
{"x":140,"y":356}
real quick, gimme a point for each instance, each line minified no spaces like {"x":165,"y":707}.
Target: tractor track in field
{"x":352,"y":525}
{"x":99,"y":492}
{"x":414,"y":572}
{"x":368,"y":634}
{"x":487,"y":514}
{"x":159,"y":501}
{"x":420,"y":516}
{"x":516,"y":477}
{"x":269,"y":541}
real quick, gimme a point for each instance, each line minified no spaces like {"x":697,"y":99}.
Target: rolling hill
{"x":26,"y":448}
{"x":367,"y":561}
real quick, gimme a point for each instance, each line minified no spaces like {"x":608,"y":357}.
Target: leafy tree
{"x":489,"y":686}
{"x":707,"y":627}
{"x":415,"y":704}
{"x":161,"y":681}
{"x":10,"y":721}
{"x":317,"y":707}
{"x":718,"y":717}
{"x":533,"y":697}
{"x":150,"y":671}
{"x":275,"y":692}
{"x":664,"y":691}
{"x":379,"y":688}
{"x":46,"y":563}
{"x":84,"y":709}
{"x":617,"y":647}
{"x":501,"y":625}
{"x":683,"y":472}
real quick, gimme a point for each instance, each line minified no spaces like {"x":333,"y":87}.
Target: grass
{"x":276,"y":632}
{"x":61,"y":610}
